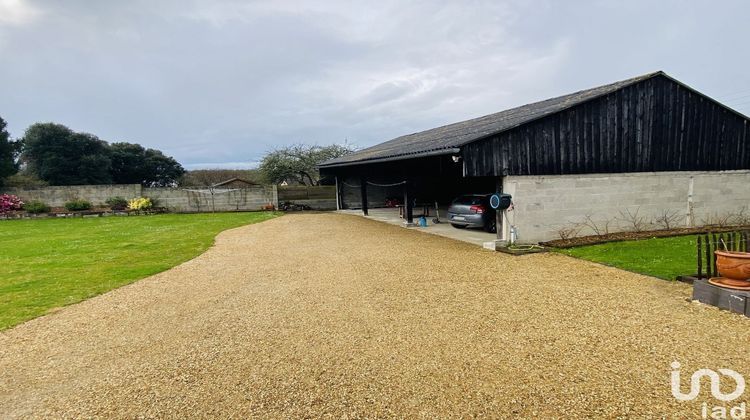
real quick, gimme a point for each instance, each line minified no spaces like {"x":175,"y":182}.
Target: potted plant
{"x":734,"y":268}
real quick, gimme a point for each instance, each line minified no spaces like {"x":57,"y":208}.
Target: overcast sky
{"x":218,"y":83}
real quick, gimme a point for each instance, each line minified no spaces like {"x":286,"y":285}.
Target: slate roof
{"x":458,"y":134}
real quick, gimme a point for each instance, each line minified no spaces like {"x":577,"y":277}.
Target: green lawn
{"x":665,"y":258}
{"x":48,"y":263}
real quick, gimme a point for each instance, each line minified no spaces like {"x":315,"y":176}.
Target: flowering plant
{"x":9,"y":202}
{"x":142,"y":203}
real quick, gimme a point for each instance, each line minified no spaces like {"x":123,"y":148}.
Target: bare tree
{"x":742,"y":218}
{"x":633,"y":220}
{"x":667,"y":219}
{"x":718,"y":219}
{"x":569,"y":231}
{"x":599,"y":228}
{"x":298,"y":164}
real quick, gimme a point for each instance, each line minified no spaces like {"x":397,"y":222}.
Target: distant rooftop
{"x":233,"y":180}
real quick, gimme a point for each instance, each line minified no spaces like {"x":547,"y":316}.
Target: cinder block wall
{"x":175,"y":199}
{"x":543,"y":205}
{"x":201,"y":199}
{"x":57,"y":196}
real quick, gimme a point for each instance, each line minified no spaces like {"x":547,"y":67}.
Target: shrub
{"x":9,"y":202}
{"x":570,"y":231}
{"x":78,"y":205}
{"x":117,"y":203}
{"x":141,"y":203}
{"x":36,"y":207}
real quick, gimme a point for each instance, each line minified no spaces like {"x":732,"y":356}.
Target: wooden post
{"x":709,"y":259}
{"x":715,"y":242}
{"x":499,"y":213}
{"x":700,"y":258}
{"x":408,"y":205}
{"x":363,"y":191}
{"x":338,"y":193}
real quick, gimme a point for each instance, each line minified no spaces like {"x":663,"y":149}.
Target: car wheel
{"x":458,"y":226}
{"x":491,"y":226}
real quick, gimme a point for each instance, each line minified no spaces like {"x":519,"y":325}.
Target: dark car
{"x":473,"y":211}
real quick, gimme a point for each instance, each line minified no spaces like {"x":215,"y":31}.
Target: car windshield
{"x":468,"y":200}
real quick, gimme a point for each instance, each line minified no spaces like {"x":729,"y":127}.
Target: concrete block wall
{"x":57,"y":196}
{"x":201,"y":200}
{"x":175,"y":199}
{"x":543,"y":205}
{"x":718,"y":194}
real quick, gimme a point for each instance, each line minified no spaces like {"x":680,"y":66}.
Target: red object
{"x":477,"y":209}
{"x":733,"y":265}
{"x":734,"y":268}
{"x":392,"y":202}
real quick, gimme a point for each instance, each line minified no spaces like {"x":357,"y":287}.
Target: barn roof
{"x":449,"y":137}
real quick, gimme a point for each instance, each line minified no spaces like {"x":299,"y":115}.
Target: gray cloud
{"x":220,"y":82}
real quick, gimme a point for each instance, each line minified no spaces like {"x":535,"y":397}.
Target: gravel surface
{"x":312,"y":315}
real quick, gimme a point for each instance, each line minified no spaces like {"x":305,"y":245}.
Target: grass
{"x":48,"y":263}
{"x":665,"y":258}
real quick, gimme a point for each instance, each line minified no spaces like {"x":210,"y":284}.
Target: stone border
{"x":736,"y":301}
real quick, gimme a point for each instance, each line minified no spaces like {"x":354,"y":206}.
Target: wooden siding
{"x":304,"y":192}
{"x":653,"y":125}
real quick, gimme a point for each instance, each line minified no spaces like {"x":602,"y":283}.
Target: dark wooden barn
{"x":650,"y":123}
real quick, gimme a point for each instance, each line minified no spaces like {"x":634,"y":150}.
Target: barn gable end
{"x":656,"y":124}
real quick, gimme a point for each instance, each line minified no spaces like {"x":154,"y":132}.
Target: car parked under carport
{"x":472,"y":211}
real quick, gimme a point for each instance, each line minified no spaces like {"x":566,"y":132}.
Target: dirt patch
{"x":327,"y":315}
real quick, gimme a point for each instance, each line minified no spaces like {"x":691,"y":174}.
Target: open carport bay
{"x":424,"y":181}
{"x":391,"y":216}
{"x":425,"y":184}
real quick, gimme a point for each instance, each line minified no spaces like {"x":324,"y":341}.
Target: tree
{"x":134,"y":164}
{"x":164,"y":171}
{"x":8,"y":153}
{"x":298,"y":163}
{"x":60,"y":156}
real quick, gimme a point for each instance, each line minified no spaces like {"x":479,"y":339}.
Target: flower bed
{"x":10,"y":203}
{"x":96,"y":211}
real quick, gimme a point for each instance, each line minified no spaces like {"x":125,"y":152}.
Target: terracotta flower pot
{"x":734,"y":266}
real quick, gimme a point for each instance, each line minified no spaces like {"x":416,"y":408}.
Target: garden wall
{"x":58,"y":196}
{"x":175,"y":199}
{"x":546,"y":205}
{"x":202,"y":199}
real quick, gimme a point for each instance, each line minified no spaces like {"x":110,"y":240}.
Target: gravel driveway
{"x":309,"y":315}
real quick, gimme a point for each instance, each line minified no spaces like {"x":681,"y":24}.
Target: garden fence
{"x":318,"y":197}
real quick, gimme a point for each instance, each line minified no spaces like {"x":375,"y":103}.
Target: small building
{"x":235,"y":183}
{"x":635,"y":151}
